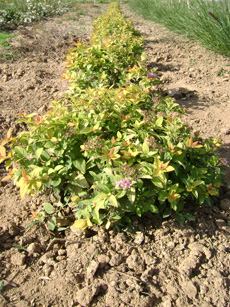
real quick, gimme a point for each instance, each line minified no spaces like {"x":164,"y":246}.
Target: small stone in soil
{"x":139,"y":238}
{"x":92,"y":268}
{"x":225,"y":204}
{"x":18,"y":259}
{"x":33,"y":248}
{"x":189,"y":289}
{"x":220,"y":223}
{"x":86,"y":295}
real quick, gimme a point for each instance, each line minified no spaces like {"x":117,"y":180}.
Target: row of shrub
{"x":112,"y":147}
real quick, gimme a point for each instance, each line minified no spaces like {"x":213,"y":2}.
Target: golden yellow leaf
{"x":8,"y":177}
{"x":9,"y":133}
{"x":24,"y":189}
{"x":169,"y":169}
{"x":2,"y":151}
{"x":79,"y":224}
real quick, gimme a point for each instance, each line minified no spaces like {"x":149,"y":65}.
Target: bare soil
{"x":160,"y":264}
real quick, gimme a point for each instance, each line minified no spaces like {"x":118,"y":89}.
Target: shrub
{"x":23,"y":12}
{"x":114,"y":47}
{"x":106,"y":152}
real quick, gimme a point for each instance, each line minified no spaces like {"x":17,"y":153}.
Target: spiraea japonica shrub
{"x":112,"y":146}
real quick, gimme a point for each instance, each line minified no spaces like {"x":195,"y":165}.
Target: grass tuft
{"x":4,"y":37}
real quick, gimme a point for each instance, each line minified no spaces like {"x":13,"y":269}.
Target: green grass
{"x":205,"y":21}
{"x":4,"y":37}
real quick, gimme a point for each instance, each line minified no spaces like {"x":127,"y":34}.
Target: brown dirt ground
{"x":161,"y":264}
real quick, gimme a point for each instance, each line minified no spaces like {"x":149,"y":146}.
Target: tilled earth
{"x":160,"y":264}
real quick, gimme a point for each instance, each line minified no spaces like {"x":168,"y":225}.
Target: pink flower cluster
{"x":124,"y":184}
{"x":224,"y":161}
{"x":151,"y":75}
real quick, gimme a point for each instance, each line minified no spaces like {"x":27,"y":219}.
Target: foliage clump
{"x":13,"y":12}
{"x":203,"y":21}
{"x":113,"y":146}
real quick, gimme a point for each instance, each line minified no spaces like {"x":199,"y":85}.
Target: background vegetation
{"x":21,"y":12}
{"x":205,"y":21}
{"x":15,"y":12}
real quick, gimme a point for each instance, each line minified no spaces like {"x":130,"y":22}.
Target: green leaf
{"x":145,"y":148}
{"x":189,"y":217}
{"x":145,"y":176}
{"x":180,"y":206}
{"x":49,"y":145}
{"x":50,"y":133}
{"x":100,"y":205}
{"x":113,"y":179}
{"x":50,"y":171}
{"x":86,"y":130}
{"x":180,"y":218}
{"x":140,"y":183}
{"x":58,"y":167}
{"x":167,"y":212}
{"x":45,"y":156}
{"x":80,"y":164}
{"x":38,"y":153}
{"x":108,"y":171}
{"x":195,"y":193}
{"x":157,"y":182}
{"x":21,"y":152}
{"x":173,"y":188}
{"x":138,"y":212}
{"x":121,"y":194}
{"x":56,"y":181}
{"x":51,"y":223}
{"x":81,"y":181}
{"x":49,"y":209}
{"x":62,"y":228}
{"x":197,"y":182}
{"x":103,"y":188}
{"x":159,"y":121}
{"x":201,"y":199}
{"x":94,"y":175}
{"x":118,"y":217}
{"x":174,"y":205}
{"x":153,"y":209}
{"x":18,"y":246}
{"x":213,"y":192}
{"x":131,"y":193}
{"x":162,"y":196}
{"x":113,"y":201}
{"x":36,"y":171}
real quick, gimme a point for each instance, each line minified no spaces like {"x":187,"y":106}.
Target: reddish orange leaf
{"x":194,"y":144}
{"x":111,"y":152}
{"x":24,"y":173}
{"x":38,"y":118}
